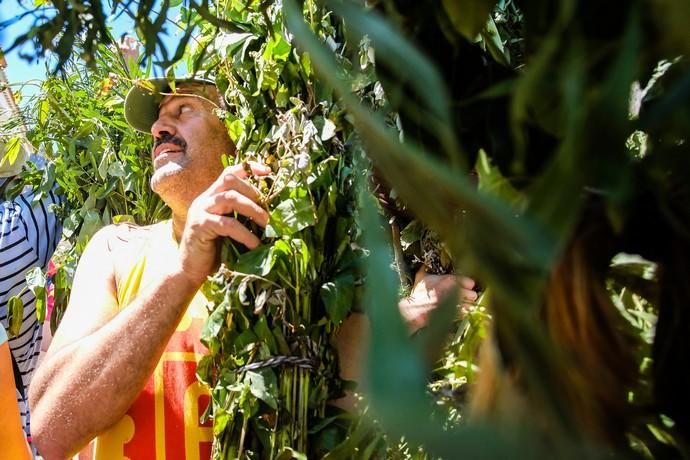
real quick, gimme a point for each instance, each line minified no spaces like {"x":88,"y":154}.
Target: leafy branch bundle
{"x":272,"y":366}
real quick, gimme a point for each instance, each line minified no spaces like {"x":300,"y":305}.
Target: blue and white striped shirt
{"x":29,"y":233}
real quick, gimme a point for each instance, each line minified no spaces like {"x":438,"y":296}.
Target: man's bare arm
{"x":100,"y":359}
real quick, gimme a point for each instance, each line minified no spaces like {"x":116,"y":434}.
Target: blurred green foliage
{"x":556,"y":125}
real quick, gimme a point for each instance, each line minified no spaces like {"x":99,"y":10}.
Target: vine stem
{"x":245,"y":422}
{"x":400,"y":265}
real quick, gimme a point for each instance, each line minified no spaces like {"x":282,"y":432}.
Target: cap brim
{"x":144,"y":98}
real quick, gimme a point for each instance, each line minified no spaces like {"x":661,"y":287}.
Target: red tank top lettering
{"x":163,"y":423}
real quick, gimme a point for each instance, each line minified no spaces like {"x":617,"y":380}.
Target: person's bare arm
{"x":100,"y":359}
{"x":428,"y":291}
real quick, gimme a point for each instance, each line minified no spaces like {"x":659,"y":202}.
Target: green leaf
{"x":43,"y":111}
{"x":70,"y":224}
{"x":121,"y":218}
{"x":92,"y":223}
{"x":35,"y":278}
{"x":103,"y":165}
{"x":265,"y":335}
{"x":282,"y":345}
{"x":301,"y":255}
{"x":115,"y":169}
{"x":15,"y":315}
{"x":305,"y":60}
{"x":292,"y":215}
{"x":214,"y":324}
{"x":337,"y":296}
{"x":395,"y":369}
{"x":36,"y":282}
{"x":328,"y":130}
{"x":288,"y":453}
{"x":235,"y":129}
{"x":228,"y":43}
{"x":469,"y":16}
{"x":492,"y":182}
{"x":492,"y":38}
{"x":244,"y":339}
{"x":11,"y":151}
{"x":277,"y":49}
{"x":282,"y":97}
{"x":41,"y":304}
{"x":411,"y":234}
{"x":264,"y":386}
{"x":220,"y":420}
{"x":261,"y":260}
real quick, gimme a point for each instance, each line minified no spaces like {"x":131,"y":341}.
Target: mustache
{"x":167,"y":138}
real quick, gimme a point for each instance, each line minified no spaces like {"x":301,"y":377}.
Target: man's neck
{"x":178,"y":223}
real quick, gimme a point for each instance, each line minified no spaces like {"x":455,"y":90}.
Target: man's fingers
{"x":467,"y":283}
{"x":233,"y":201}
{"x":229,"y":181}
{"x":468,"y":294}
{"x":257,"y":169}
{"x":418,"y":322}
{"x":227,"y":226}
{"x":232,"y":178}
{"x":243,"y":170}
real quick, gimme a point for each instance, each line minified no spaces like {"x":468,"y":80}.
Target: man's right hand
{"x":210,"y":216}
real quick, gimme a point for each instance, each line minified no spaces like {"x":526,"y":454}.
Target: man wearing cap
{"x":121,"y":367}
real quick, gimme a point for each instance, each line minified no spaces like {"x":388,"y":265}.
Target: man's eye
{"x":185,"y":108}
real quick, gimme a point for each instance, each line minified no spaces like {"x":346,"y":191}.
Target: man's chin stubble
{"x":165,"y":178}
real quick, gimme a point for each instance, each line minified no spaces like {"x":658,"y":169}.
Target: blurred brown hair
{"x":598,"y":356}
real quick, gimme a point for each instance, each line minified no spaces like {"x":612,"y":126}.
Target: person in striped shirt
{"x":29,"y":233}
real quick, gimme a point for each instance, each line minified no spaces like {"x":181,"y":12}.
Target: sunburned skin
{"x":189,"y":143}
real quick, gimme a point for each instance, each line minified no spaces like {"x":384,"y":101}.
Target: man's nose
{"x":162,"y":125}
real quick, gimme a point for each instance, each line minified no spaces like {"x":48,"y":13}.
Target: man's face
{"x":189,"y":141}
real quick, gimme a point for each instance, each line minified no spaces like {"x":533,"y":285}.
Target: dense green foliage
{"x":571,"y":118}
{"x":272,"y":366}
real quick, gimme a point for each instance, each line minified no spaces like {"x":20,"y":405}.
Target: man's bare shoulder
{"x":125,"y":234}
{"x":124,"y":243}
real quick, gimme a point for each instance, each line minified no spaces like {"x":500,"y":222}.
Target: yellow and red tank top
{"x":164,"y":421}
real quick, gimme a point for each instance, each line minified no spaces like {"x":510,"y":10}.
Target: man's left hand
{"x":428,"y":291}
